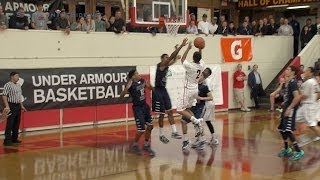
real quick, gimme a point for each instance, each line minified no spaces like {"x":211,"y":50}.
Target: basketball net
{"x":172,"y":25}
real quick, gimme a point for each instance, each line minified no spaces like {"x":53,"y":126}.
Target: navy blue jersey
{"x":203,"y":92}
{"x":161,"y":77}
{"x":137,"y":92}
{"x":288,"y":94}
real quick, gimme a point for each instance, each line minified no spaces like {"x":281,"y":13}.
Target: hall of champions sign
{"x":264,"y":3}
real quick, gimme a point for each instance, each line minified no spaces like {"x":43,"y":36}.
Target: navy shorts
{"x":161,"y":100}
{"x":197,"y":112}
{"x":288,"y":124}
{"x":142,"y":116}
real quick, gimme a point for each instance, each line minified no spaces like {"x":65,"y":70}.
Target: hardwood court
{"x":249,"y":143}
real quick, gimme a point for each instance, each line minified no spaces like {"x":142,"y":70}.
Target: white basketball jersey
{"x":310,"y":88}
{"x":193,"y":72}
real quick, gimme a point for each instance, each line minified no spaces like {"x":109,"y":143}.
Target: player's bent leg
{"x":146,"y":146}
{"x":162,"y":137}
{"x":134,"y":147}
{"x":299,"y":153}
{"x":186,"y":142}
{"x":175,"y":133}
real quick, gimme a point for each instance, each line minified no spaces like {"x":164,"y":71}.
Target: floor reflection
{"x":248,"y":146}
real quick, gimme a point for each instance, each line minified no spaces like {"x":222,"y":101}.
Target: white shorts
{"x":208,"y":111}
{"x":308,"y":113}
{"x":188,"y":99}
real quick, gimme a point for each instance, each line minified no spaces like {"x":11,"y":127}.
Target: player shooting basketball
{"x":190,"y":92}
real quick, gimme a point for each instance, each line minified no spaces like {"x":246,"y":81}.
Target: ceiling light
{"x":278,"y":6}
{"x":298,"y":7}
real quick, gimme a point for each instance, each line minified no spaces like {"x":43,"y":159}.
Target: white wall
{"x":52,"y":49}
{"x":311,"y":53}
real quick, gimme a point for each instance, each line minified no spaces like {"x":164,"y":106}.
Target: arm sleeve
{"x":5,"y":90}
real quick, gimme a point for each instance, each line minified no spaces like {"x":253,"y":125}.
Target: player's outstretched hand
{"x":184,"y":42}
{"x":190,"y":45}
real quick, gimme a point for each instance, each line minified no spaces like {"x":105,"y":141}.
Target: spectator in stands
{"x":213,"y":27}
{"x":4,"y":23}
{"x":19,"y":20}
{"x":39,"y":19}
{"x":255,"y":84}
{"x":232,"y":30}
{"x":254,"y":27}
{"x":296,"y":32}
{"x":281,"y":21}
{"x":101,"y":26}
{"x":193,"y":18}
{"x":119,"y":23}
{"x":222,"y":19}
{"x":309,"y":25}
{"x":272,"y":27}
{"x":285,"y":29}
{"x":265,"y":22}
{"x":91,"y":25}
{"x":247,"y":19}
{"x":262,"y":29}
{"x":150,"y":29}
{"x":238,"y":87}
{"x":62,"y":22}
{"x":316,"y":26}
{"x":317,"y":66}
{"x":223,"y":29}
{"x":112,"y":19}
{"x":80,"y":25}
{"x":305,"y":36}
{"x":192,"y":28}
{"x":204,"y":25}
{"x":244,"y":29}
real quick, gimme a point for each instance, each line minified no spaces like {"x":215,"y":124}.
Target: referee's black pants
{"x":13,"y":123}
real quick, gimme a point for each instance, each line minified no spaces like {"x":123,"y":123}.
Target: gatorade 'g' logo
{"x":236,"y":49}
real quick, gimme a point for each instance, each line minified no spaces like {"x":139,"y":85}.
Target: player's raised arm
{"x":175,"y":53}
{"x":174,"y":60}
{"x":125,"y":91}
{"x":186,"y":53}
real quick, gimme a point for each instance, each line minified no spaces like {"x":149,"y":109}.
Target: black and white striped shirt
{"x":13,"y":92}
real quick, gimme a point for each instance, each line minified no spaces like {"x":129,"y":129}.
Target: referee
{"x":12,"y":95}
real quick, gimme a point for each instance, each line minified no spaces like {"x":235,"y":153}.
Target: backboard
{"x":149,"y":12}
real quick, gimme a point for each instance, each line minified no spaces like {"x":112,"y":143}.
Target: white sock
{"x":185,"y":137}
{"x":161,"y":131}
{"x":213,"y":135}
{"x":146,"y":143}
{"x":174,"y":128}
{"x":193,"y":118}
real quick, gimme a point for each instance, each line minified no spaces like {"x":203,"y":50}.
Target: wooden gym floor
{"x":249,"y":143}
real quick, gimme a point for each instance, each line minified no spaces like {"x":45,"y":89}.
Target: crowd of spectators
{"x":62,"y":21}
{"x":96,"y":22}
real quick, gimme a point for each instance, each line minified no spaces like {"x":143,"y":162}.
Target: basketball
{"x":199,"y":43}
